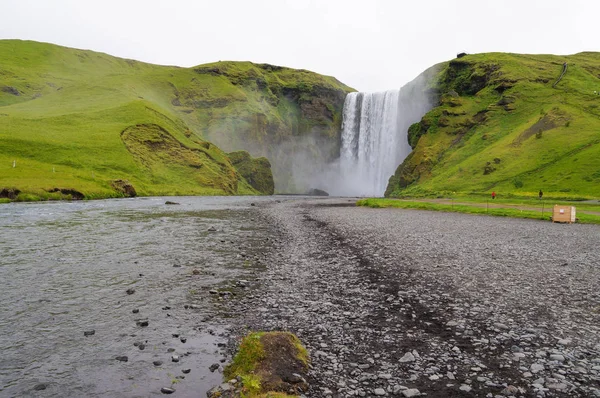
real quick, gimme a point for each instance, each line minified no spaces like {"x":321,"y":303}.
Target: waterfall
{"x":374,"y":136}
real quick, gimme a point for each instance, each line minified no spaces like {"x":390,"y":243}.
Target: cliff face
{"x":505,"y":122}
{"x":79,"y":120}
{"x":256,"y":171}
{"x":288,"y":116}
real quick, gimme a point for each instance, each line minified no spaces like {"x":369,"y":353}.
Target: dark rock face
{"x":124,"y":187}
{"x":317,"y":192}
{"x":467,"y":78}
{"x":9,"y":193}
{"x":72,"y":193}
{"x":257,"y":171}
{"x":10,"y":90}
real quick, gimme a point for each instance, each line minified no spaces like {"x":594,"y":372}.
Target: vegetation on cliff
{"x":256,"y":171}
{"x":74,"y":122}
{"x":503,"y":123}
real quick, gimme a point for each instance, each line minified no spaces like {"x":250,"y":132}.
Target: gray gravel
{"x":410,"y":303}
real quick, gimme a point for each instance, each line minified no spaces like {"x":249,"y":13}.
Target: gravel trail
{"x":394,"y":302}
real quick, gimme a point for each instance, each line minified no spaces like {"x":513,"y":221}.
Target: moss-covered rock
{"x":267,"y":364}
{"x":256,"y":171}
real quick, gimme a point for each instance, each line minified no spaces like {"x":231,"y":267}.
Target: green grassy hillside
{"x":503,"y":124}
{"x":78,"y":120}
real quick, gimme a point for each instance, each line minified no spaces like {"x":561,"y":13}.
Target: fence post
{"x":542,"y":209}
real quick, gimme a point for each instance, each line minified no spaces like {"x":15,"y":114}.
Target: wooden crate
{"x":563,"y":214}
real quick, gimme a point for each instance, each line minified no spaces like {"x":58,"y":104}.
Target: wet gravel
{"x":408,"y":303}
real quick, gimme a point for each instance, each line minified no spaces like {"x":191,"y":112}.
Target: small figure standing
{"x":541,"y":194}
{"x":493,"y":194}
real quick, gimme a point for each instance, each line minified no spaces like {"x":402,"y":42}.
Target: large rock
{"x":256,"y":171}
{"x":9,"y":193}
{"x":124,"y":187}
{"x":280,"y":362}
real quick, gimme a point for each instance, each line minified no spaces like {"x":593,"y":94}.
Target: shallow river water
{"x":65,"y":268}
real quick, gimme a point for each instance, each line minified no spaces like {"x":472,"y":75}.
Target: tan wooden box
{"x":563,"y":214}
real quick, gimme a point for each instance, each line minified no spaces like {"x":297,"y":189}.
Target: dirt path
{"x":392,"y":301}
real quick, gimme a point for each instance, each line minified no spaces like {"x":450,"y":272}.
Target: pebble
{"x":122,"y":358}
{"x":186,"y":371}
{"x":89,"y":332}
{"x":213,"y":367}
{"x":379,"y":391}
{"x":157,"y":363}
{"x":408,"y":357}
{"x":411,"y":392}
{"x":175,"y":358}
{"x":536,"y":368}
{"x":510,"y":390}
{"x":130,"y":291}
{"x":135,"y":310}
{"x":167,"y":390}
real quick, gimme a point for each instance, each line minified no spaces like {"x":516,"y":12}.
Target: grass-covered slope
{"x":78,"y":120}
{"x":503,"y":124}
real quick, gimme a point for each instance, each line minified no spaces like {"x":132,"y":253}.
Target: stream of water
{"x":65,"y":268}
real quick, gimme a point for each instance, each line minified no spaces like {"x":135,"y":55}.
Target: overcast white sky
{"x":369,"y":45}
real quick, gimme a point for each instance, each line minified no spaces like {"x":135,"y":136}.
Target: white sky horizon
{"x":370,"y":46}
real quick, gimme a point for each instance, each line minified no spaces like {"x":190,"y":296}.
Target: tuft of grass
{"x":249,"y":354}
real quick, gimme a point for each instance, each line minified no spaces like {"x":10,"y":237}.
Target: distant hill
{"x":82,"y":121}
{"x":505,"y":122}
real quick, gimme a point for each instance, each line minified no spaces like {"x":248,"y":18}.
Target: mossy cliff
{"x":256,"y":171}
{"x":78,"y":121}
{"x":505,"y":122}
{"x":292,"y":117}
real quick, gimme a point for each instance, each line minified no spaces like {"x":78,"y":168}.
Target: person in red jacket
{"x":493,"y":194}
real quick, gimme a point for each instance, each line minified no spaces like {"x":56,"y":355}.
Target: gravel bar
{"x":393,"y":302}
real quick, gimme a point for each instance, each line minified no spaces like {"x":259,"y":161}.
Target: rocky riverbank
{"x":409,"y":303}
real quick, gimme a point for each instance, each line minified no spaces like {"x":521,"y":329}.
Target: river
{"x":65,"y":268}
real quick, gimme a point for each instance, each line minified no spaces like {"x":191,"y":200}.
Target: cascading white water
{"x":374,"y":137}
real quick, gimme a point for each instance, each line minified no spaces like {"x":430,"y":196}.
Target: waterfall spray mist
{"x":374,"y":137}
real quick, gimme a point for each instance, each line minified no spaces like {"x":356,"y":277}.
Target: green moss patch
{"x":256,"y":171}
{"x":270,"y":363}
